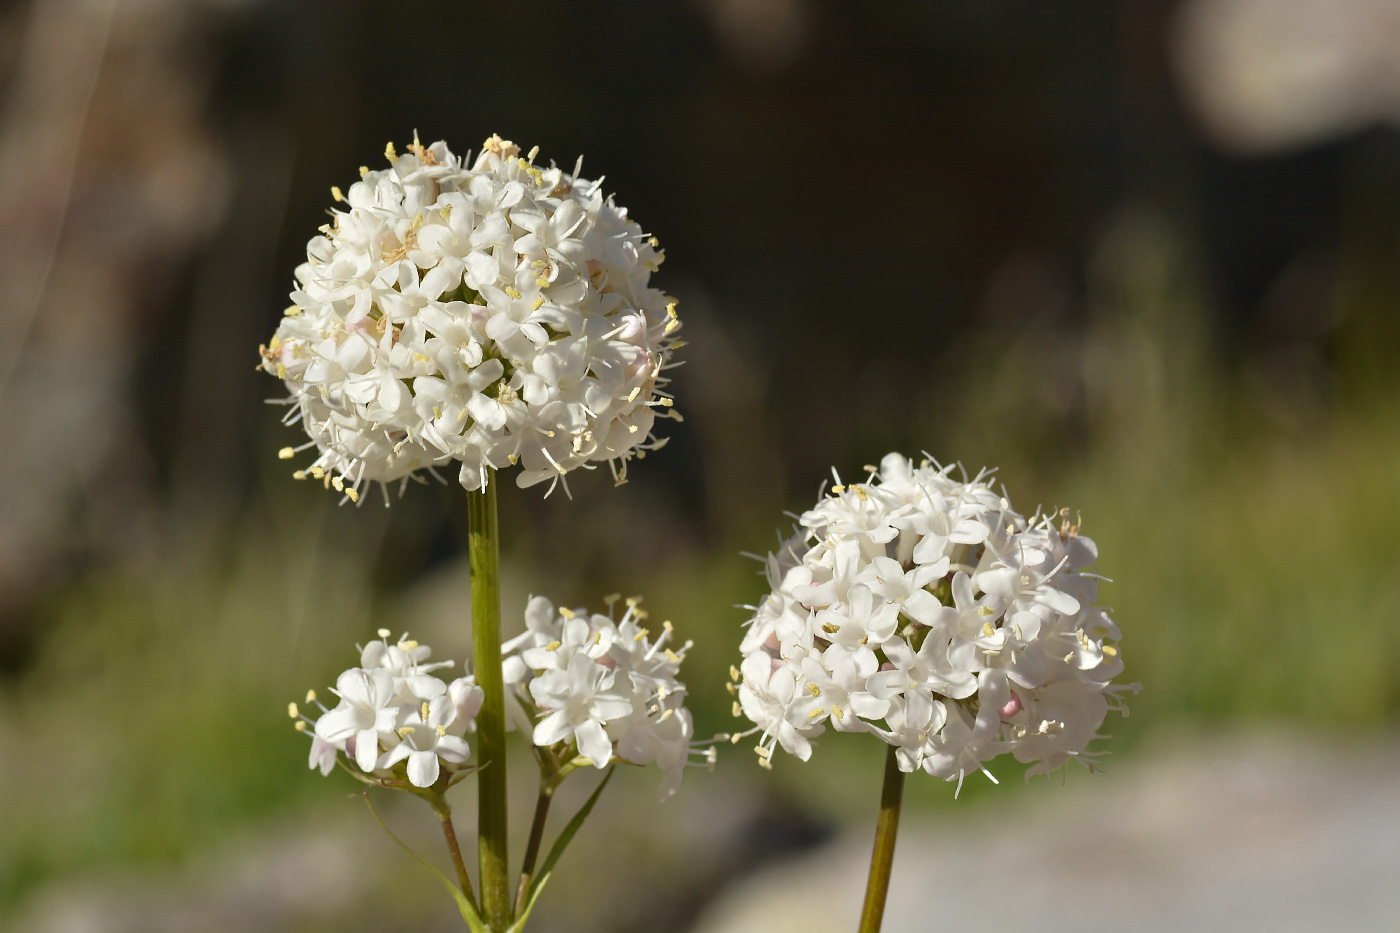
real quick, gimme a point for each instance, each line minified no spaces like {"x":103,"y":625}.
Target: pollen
{"x":292,"y":711}
{"x":513,"y":292}
{"x":554,"y":645}
{"x":1111,"y":651}
{"x":566,"y":612}
{"x":987,"y":630}
{"x":814,"y":690}
{"x":300,"y":725}
{"x":336,"y":195}
{"x":364,"y":170}
{"x":286,"y":453}
{"x":537,"y":303}
{"x":389,"y":152}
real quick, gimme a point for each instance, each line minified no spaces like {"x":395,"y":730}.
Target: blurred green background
{"x":1144,"y":258}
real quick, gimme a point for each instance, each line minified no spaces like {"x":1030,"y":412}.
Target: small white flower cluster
{"x":927,"y":612}
{"x":393,"y":709}
{"x":491,"y":315}
{"x":603,"y":687}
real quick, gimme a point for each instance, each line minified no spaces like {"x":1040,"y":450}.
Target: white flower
{"x":603,"y":689}
{"x":577,"y":702}
{"x":425,"y":738}
{"x":924,"y":610}
{"x":392,"y":709}
{"x":366,"y":712}
{"x":478,"y":317}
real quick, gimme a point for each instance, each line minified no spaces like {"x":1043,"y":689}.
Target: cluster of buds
{"x":926,"y":611}
{"x":603,"y":689}
{"x":477,"y":317}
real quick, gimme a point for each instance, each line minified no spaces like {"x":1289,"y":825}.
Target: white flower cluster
{"x":393,"y":709}
{"x":603,"y":687}
{"x":927,"y":612}
{"x":487,"y":316}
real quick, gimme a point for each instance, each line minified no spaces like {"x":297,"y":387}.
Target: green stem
{"x":882,"y":859}
{"x":532,"y":848}
{"x":450,"y":834}
{"x":483,"y":540}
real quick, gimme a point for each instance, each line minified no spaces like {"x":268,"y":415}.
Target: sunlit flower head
{"x":925,"y":611}
{"x":474,"y":318}
{"x":586,"y":684}
{"x":393,"y":709}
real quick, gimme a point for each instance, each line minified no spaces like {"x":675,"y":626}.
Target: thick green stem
{"x":532,"y":848}
{"x":882,"y":859}
{"x":483,"y":540}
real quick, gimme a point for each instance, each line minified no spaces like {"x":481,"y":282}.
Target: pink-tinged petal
{"x":425,"y":686}
{"x":552,"y":729}
{"x":923,"y":606}
{"x":962,"y":590}
{"x":593,"y":743}
{"x":354,"y":686}
{"x":607,"y":708}
{"x":1057,"y":600}
{"x":467,"y":697}
{"x":366,"y":749}
{"x":969,"y":531}
{"x":386,"y":719}
{"x":422,"y":769}
{"x":395,"y":755}
{"x":337,"y":725}
{"x":453,"y":748}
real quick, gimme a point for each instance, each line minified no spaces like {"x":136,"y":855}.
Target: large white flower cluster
{"x":482,"y":316}
{"x":393,"y":709}
{"x":927,"y":612}
{"x":604,"y":688}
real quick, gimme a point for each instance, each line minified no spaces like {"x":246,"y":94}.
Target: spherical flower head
{"x":924,"y":610}
{"x":476,"y":317}
{"x":602,"y":689}
{"x":394,"y":712}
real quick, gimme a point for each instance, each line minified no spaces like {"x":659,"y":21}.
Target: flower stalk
{"x":449,"y":832}
{"x":532,"y":847}
{"x":484,"y":547}
{"x":882,"y":858}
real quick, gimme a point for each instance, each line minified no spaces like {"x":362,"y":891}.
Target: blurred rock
{"x":1281,"y":833}
{"x":1272,"y":75}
